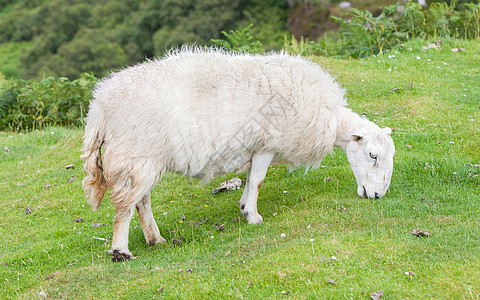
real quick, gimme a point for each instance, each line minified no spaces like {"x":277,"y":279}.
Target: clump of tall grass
{"x":240,"y":40}
{"x":32,"y":104}
{"x":365,"y":34}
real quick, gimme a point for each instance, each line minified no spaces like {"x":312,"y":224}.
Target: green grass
{"x":319,"y":231}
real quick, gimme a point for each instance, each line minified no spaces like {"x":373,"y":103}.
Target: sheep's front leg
{"x":255,"y":177}
{"x":121,"y":226}
{"x":149,"y":227}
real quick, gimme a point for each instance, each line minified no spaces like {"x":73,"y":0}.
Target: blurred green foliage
{"x":240,"y":40}
{"x":71,"y":37}
{"x":32,"y":104}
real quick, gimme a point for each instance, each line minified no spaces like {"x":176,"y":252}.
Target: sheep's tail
{"x":94,"y":184}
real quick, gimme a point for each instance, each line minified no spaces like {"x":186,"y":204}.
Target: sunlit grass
{"x":318,"y":240}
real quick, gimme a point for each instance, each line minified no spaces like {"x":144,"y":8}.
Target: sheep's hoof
{"x":253,"y":217}
{"x":156,"y":240}
{"x":121,"y":255}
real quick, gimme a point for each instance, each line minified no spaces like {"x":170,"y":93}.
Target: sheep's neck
{"x":348,"y":123}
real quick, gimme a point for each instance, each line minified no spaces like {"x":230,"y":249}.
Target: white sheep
{"x":203,"y":113}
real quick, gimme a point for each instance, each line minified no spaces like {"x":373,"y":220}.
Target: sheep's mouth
{"x":365,"y":195}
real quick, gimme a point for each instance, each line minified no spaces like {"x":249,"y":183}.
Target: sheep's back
{"x":197,"y":111}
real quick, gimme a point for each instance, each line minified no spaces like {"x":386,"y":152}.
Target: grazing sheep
{"x":203,"y":113}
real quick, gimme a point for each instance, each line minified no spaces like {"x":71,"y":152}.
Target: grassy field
{"x":318,"y":239}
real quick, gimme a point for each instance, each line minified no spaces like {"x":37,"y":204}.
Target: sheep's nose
{"x":376,"y":196}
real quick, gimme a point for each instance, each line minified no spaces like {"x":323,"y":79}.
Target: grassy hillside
{"x":318,"y":239}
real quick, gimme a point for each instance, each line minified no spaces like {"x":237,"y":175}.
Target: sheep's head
{"x":370,"y":153}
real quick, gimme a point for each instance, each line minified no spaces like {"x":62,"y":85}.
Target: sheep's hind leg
{"x":121,"y":226}
{"x":243,"y":200}
{"x":149,"y":227}
{"x":258,"y":170}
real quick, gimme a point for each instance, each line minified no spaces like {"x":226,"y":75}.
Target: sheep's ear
{"x":357,"y":137}
{"x":387,"y":130}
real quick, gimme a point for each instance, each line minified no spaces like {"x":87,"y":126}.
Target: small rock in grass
{"x":418,"y":232}
{"x":332,"y":282}
{"x":231,"y":184}
{"x":70,"y":166}
{"x":219,"y":227}
{"x":72,"y":179}
{"x":408,"y":146}
{"x":72,"y":264}
{"x":28,"y":210}
{"x":376,"y":295}
{"x":47,"y":186}
{"x":177,"y":241}
{"x":410,"y":273}
{"x":78,"y":220}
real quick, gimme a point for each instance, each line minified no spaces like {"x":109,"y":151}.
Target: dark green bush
{"x":31,"y":104}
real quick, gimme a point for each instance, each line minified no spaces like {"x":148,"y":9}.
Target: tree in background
{"x":68,"y":38}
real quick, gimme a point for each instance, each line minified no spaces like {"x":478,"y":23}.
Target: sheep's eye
{"x":373,"y":156}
